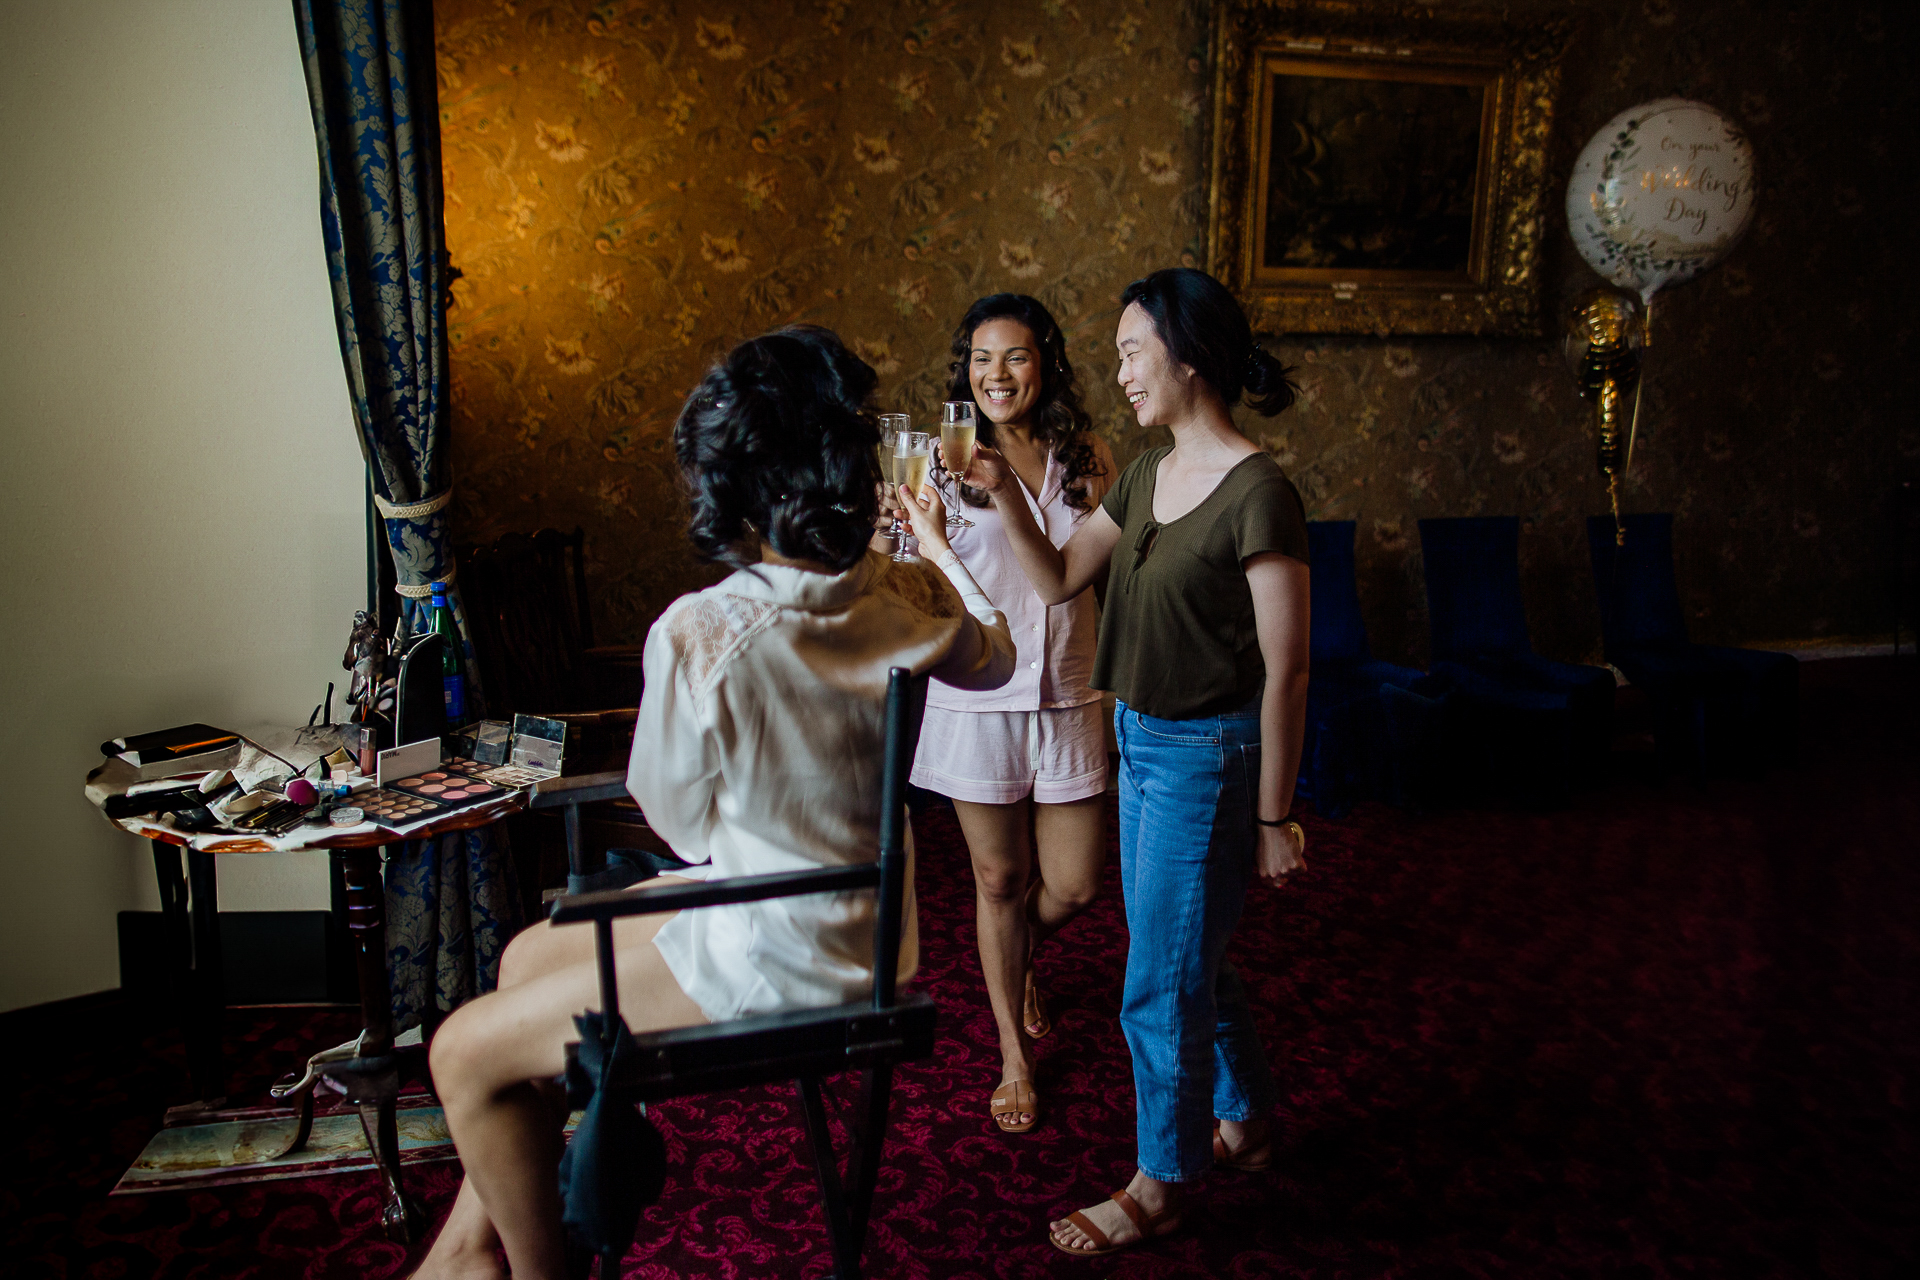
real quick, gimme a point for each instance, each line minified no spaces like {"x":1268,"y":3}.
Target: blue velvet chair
{"x":1374,"y":730}
{"x":1539,"y":724}
{"x":1713,"y":706}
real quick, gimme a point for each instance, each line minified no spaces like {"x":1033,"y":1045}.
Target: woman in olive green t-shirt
{"x":1204,"y":642}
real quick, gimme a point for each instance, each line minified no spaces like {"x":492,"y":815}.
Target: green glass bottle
{"x":452,"y":679}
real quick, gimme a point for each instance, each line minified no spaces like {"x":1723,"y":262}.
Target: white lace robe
{"x":759,"y":749}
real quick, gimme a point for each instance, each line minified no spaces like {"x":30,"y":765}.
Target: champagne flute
{"x":956,"y":452}
{"x":891,"y":426}
{"x":912,"y":451}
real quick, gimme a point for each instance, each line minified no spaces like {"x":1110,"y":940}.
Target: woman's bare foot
{"x":467,"y":1248}
{"x":1034,"y":1018}
{"x":1154,"y":1198}
{"x":463,"y":1265}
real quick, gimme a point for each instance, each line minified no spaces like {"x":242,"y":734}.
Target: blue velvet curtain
{"x":451,"y":903}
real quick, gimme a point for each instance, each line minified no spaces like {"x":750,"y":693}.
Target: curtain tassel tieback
{"x":418,"y":511}
{"x":413,"y":510}
{"x":425,"y":590}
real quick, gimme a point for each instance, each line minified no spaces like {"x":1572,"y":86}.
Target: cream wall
{"x":181,"y":492}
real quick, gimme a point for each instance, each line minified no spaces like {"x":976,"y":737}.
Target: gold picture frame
{"x":1381,"y":170}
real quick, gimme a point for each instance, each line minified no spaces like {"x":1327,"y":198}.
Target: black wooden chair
{"x":1538,"y":724}
{"x":1713,"y":705}
{"x":531,"y":625}
{"x":803,"y":1045}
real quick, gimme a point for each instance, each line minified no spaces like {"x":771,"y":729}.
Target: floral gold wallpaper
{"x":632,"y":187}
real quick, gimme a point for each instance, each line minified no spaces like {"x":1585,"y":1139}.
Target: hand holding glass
{"x":956,"y":450}
{"x":891,"y":425}
{"x":911,"y":453}
{"x":928,"y":515}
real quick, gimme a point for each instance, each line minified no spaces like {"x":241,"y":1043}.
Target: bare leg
{"x":1001,"y":839}
{"x":467,"y":1245}
{"x":997,"y":841}
{"x":1151,"y":1195}
{"x":486,"y":1061}
{"x":1069,"y":847}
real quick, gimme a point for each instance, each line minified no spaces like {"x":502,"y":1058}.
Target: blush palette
{"x":447,"y":788}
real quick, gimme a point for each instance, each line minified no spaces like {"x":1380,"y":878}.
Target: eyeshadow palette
{"x":391,"y":808}
{"x":513,"y":775}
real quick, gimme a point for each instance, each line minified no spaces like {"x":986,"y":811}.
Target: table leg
{"x":367,"y":927}
{"x":372,"y":1081}
{"x":194,"y":979}
{"x":209,"y":998}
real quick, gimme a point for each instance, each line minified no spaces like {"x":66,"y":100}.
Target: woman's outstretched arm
{"x":1058,"y":574}
{"x":982,"y":654}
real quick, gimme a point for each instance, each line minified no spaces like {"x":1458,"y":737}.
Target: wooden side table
{"x":368,"y":1070}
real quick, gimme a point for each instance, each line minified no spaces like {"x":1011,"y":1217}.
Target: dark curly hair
{"x":1205,"y":329}
{"x":779,"y":439}
{"x":1059,"y":422}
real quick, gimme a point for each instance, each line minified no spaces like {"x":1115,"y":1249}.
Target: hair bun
{"x":816,"y":524}
{"x":1270,"y":386}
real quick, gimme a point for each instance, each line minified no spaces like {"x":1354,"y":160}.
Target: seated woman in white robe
{"x":758,"y":749}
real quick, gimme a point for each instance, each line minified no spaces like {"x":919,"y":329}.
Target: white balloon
{"x":1660,"y":194}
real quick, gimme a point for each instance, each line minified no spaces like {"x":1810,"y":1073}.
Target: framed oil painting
{"x":1381,"y":171}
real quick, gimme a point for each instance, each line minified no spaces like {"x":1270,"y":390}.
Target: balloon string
{"x":1613,"y":496}
{"x":1633,"y":426}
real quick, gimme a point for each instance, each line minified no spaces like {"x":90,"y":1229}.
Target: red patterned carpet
{"x":1669,"y":1031}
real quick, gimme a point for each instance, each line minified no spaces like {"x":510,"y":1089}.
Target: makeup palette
{"x":448,"y":788}
{"x":392,"y":809}
{"x":513,"y":775}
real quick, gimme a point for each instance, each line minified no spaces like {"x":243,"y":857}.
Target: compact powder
{"x":432,"y":788}
{"x":433,"y":777}
{"x":405,"y":782}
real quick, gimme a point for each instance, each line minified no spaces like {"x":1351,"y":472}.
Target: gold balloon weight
{"x":1606,"y":334}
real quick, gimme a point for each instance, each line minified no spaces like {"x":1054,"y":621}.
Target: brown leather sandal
{"x":1015,"y":1097}
{"x":1151,"y":1226}
{"x":1251,"y":1160}
{"x":1033,"y":1011}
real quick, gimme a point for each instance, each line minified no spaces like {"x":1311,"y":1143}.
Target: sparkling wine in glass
{"x":891,"y":426}
{"x":956,"y":452}
{"x":912,"y":451}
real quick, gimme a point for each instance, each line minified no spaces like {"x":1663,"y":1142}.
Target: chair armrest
{"x":685,"y":897}
{"x":585,"y":788}
{"x":763,"y":1048}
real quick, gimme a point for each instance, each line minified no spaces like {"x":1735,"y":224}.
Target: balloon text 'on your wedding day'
{"x":1660,"y":194}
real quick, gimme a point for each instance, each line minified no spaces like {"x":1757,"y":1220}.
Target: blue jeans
{"x":1187,"y":790}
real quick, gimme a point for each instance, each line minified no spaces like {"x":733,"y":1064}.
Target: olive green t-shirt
{"x":1177,"y":638}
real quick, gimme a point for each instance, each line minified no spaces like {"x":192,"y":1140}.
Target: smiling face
{"x":1159,"y":389}
{"x":1004,"y":371}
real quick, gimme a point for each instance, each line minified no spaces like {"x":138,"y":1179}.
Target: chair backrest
{"x":1339,"y":631}
{"x":530,"y":621}
{"x":906,"y":707}
{"x":1639,"y":598}
{"x":1473,"y":586}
